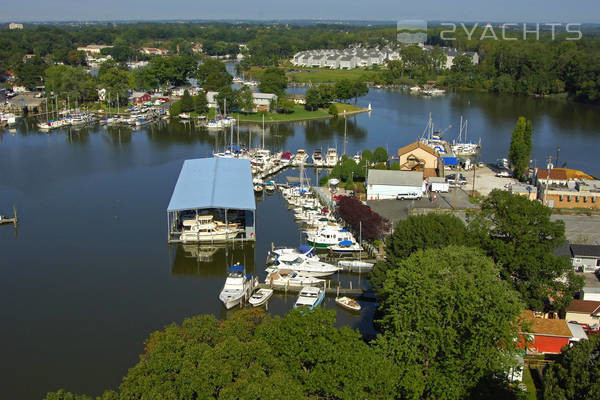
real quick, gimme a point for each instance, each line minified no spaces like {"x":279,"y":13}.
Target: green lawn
{"x":349,"y":108}
{"x":322,"y":75}
{"x":299,"y":114}
{"x":529,"y":382}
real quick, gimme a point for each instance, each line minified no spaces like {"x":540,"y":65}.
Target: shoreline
{"x":306,"y":118}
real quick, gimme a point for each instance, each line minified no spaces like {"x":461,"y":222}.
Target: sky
{"x":389,"y":10}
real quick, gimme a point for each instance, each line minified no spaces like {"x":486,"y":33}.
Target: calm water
{"x":88,"y":275}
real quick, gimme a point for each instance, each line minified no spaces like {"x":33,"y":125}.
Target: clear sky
{"x":465,"y":10}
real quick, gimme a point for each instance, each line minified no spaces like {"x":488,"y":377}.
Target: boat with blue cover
{"x":238,"y":286}
{"x":310,"y":297}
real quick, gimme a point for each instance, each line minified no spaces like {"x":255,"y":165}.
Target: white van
{"x":409,"y":196}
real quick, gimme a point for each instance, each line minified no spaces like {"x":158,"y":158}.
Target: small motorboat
{"x":356,"y":265}
{"x":348,"y":303}
{"x":258,"y":189}
{"x":346,"y":247}
{"x":310,"y":297}
{"x":184,"y":116}
{"x":270,"y":186}
{"x":260,"y":297}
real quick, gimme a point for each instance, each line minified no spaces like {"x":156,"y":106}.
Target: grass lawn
{"x":321,"y":75}
{"x":349,"y":108}
{"x":530,"y":383}
{"x":299,"y":114}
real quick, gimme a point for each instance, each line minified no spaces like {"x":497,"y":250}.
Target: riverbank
{"x":301,"y":114}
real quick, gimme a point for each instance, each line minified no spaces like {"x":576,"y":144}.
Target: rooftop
{"x":395,"y":178}
{"x":585,"y":250}
{"x":414,"y":146}
{"x":543,"y":326}
{"x":584,"y":306}
{"x":213,"y":183}
{"x":557,"y":174}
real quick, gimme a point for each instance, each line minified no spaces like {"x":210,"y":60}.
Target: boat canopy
{"x":236,"y":268}
{"x":307,"y":250}
{"x":344,"y":230}
{"x":346,"y":243}
{"x":224,"y":183}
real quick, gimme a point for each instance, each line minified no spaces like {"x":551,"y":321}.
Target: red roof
{"x":555,"y":174}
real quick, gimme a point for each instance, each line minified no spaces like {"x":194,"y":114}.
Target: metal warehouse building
{"x":385,"y":184}
{"x":219,"y":189}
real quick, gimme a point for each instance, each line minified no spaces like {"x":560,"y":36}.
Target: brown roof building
{"x":584,"y":312}
{"x":418,"y":157}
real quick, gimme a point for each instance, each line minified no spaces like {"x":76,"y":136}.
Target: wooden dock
{"x":329,"y":291}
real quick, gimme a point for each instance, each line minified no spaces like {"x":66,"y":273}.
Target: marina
{"x":111,"y":185}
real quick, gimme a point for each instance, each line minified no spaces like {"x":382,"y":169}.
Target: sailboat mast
{"x":263,"y":132}
{"x":345,"y":129}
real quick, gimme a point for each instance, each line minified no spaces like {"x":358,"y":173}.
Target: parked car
{"x":409,"y":196}
{"x":451,"y":179}
{"x":503,"y":174}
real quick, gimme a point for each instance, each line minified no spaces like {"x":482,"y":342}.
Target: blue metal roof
{"x":450,"y":160}
{"x":214,"y":183}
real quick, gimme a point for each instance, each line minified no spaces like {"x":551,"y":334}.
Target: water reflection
{"x":211,"y":260}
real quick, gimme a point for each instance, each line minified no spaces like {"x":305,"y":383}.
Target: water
{"x":88,"y":275}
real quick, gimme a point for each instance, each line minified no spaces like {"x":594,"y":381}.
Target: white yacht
{"x":331,"y":158}
{"x":204,"y":229}
{"x":300,"y":158}
{"x":317,"y":158}
{"x":310,"y":297}
{"x":289,"y":278}
{"x":305,"y":251}
{"x":329,"y":236}
{"x":238,"y":287}
{"x":302,"y":265}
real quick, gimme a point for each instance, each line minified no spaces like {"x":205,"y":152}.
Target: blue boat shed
{"x":221,"y":187}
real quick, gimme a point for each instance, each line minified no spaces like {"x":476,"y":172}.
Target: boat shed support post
{"x":226,"y":226}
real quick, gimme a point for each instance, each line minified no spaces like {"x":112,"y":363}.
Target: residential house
{"x":140,"y":98}
{"x":585,"y":312}
{"x":547,"y":336}
{"x":333,"y":62}
{"x":348,"y":62}
{"x":591,"y":293}
{"x":262,"y":101}
{"x":387,"y":184}
{"x":585,"y":257}
{"x":93,"y":49}
{"x":154,"y":51}
{"x":417,"y":156}
{"x":14,"y":25}
{"x":197,"y":48}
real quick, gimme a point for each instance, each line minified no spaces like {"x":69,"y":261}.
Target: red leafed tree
{"x":354,"y":212}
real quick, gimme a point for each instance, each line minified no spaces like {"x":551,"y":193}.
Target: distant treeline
{"x":527,"y":67}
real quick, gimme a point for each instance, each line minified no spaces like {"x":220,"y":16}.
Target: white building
{"x":389,"y":184}
{"x":585,"y":257}
{"x":262,"y":101}
{"x":13,"y":25}
{"x":93,"y":49}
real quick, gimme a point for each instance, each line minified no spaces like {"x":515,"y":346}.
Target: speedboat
{"x":238,"y":286}
{"x":310,"y":297}
{"x":348,"y":303}
{"x":305,"y":251}
{"x":346,"y":247}
{"x":260,"y":297}
{"x":303,"y":265}
{"x":270,"y":186}
{"x":286,"y":158}
{"x":258,"y":189}
{"x":289,"y":278}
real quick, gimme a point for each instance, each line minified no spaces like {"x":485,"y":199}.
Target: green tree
{"x":367,"y":155}
{"x":313,"y":99}
{"x":418,"y":232}
{"x":246,"y":101}
{"x":30,"y":72}
{"x":200,"y":103}
{"x":519,"y":235}
{"x":380,"y":155}
{"x":519,"y":152}
{"x":576,"y":374}
{"x":447,"y":322}
{"x":212,"y":75}
{"x":333,"y":110}
{"x":344,"y":89}
{"x":273,"y":80}
{"x":115,"y":80}
{"x":359,"y":89}
{"x":228,"y":97}
{"x":187,"y":102}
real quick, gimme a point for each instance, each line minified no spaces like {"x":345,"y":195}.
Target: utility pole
{"x":549,"y":167}
{"x":473,"y":190}
{"x":345,"y":128}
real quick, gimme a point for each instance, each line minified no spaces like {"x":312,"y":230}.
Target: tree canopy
{"x":418,"y":232}
{"x":273,"y":80}
{"x":519,"y":152}
{"x":448,"y":321}
{"x":519,"y":235}
{"x":576,"y":373}
{"x":212,"y":75}
{"x":254,"y":356}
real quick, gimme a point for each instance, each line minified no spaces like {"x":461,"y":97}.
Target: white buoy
{"x":370,"y":107}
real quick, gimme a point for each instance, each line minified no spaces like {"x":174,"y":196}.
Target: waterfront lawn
{"x":349,"y":108}
{"x":299,"y":114}
{"x":322,"y":75}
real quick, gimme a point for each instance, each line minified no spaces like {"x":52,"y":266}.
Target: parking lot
{"x":486,"y":179}
{"x":396,"y":210}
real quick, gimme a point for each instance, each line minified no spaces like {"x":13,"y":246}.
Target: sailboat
{"x":433,"y":138}
{"x":462,"y":146}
